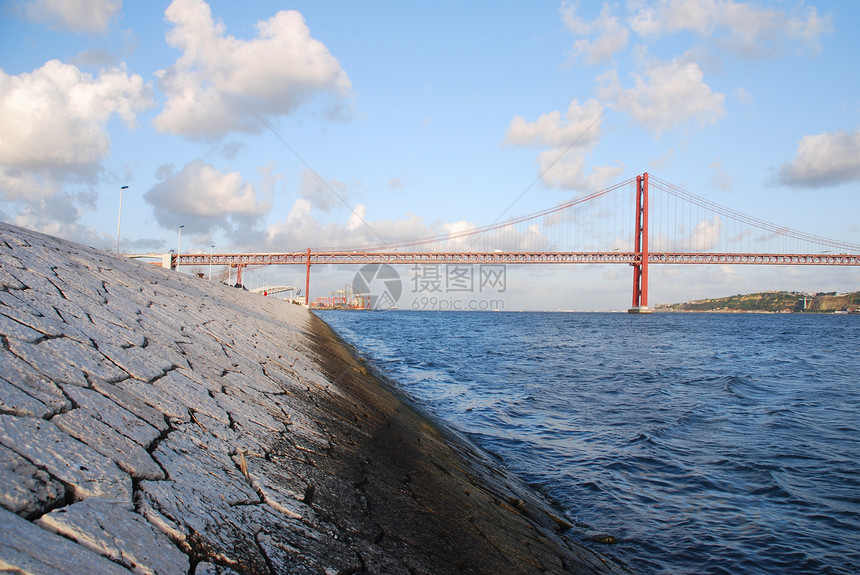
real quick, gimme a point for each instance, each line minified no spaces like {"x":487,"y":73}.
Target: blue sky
{"x":266,"y":126}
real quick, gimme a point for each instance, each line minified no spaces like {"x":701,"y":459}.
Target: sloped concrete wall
{"x":151,"y":422}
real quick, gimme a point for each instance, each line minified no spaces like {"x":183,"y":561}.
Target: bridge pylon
{"x":640,"y":266}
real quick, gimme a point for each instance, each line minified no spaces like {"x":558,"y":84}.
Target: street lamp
{"x":210,"y":262}
{"x":178,"y":244}
{"x":119,"y":218}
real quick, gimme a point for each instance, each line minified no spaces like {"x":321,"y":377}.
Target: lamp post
{"x":178,"y":244}
{"x":119,"y":218}
{"x":210,"y":262}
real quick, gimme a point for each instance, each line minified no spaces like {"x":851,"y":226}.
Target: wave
{"x":699,"y":446}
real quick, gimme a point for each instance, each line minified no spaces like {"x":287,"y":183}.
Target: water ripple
{"x":701,"y":443}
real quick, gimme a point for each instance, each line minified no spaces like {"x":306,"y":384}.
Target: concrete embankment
{"x":153,"y":422}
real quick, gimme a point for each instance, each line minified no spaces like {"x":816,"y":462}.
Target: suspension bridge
{"x":639,"y":222}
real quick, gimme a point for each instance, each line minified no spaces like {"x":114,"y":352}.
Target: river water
{"x":703,"y":443}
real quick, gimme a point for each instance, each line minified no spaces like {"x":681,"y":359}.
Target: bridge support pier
{"x":308,"y":281}
{"x":239,"y":275}
{"x":640,"y":268}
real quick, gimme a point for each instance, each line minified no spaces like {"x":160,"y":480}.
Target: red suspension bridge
{"x":639,"y":222}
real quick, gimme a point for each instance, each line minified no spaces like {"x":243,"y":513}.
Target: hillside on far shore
{"x":773,"y":302}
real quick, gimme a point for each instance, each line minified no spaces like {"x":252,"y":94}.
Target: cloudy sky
{"x":274,"y":126}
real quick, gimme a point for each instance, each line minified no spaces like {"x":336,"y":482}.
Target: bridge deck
{"x":412,"y":258}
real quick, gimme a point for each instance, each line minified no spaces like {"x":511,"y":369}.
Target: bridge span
{"x":670,"y":227}
{"x":412,"y":258}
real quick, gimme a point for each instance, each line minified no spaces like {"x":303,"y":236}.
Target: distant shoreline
{"x":771,"y":302}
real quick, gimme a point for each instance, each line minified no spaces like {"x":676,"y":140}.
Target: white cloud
{"x":742,"y":96}
{"x":824,"y":160}
{"x":203,"y":198}
{"x":58,"y":216}
{"x":25,"y":186}
{"x":720,"y":179}
{"x":580,"y":127}
{"x":742,"y":27}
{"x":55,"y":117}
{"x":600,"y":39}
{"x":300,"y":230}
{"x":93,"y":59}
{"x":54,"y":137}
{"x":705,"y":235}
{"x":356,"y":219}
{"x":569,"y":172}
{"x":300,"y":215}
{"x":568,"y":137}
{"x":221,"y":83}
{"x":86,"y":16}
{"x":667,"y":95}
{"x":323,"y":195}
{"x":561,"y":173}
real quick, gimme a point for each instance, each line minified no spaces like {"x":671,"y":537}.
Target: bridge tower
{"x":640,"y":268}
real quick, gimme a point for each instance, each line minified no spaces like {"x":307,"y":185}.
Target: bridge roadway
{"x":613,"y":257}
{"x":640,"y":260}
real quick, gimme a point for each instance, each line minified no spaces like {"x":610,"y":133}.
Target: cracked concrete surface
{"x":152,"y":422}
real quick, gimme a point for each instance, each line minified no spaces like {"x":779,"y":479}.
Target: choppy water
{"x":704,"y":443}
